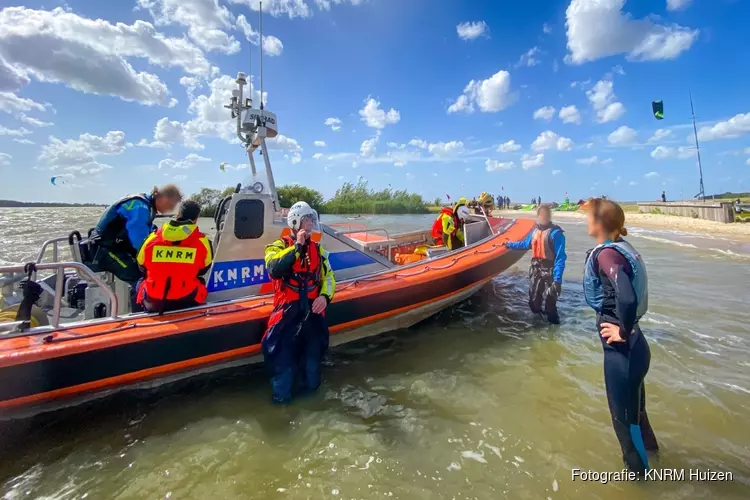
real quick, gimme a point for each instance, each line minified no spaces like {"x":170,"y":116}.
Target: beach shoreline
{"x":736,"y":231}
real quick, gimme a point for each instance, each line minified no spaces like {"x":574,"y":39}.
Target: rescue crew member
{"x":448,"y":227}
{"x":175,"y":257}
{"x":615,"y":285}
{"x":123,"y":228}
{"x":547,"y":244}
{"x":297,"y":336}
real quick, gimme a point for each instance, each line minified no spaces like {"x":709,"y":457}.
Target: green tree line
{"x":349,"y":199}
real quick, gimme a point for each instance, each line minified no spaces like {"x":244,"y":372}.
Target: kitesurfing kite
{"x":658,"y":109}
{"x":223,"y":167}
{"x":57,"y":180}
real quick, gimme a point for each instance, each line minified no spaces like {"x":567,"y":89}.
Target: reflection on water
{"x":481,"y":401}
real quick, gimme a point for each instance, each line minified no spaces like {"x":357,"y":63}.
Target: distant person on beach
{"x":507,"y":202}
{"x":500,"y":203}
{"x":664,"y":196}
{"x":615,"y":285}
{"x":547,"y":245}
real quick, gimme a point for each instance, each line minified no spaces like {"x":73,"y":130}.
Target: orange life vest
{"x":306,"y":276}
{"x":437,"y":226}
{"x":542,"y":247}
{"x":172,"y":268}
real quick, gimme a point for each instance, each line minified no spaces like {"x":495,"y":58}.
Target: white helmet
{"x":463,"y":212}
{"x":299,"y":211}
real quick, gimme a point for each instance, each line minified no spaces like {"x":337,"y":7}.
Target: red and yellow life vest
{"x":306,"y":276}
{"x":437,"y":226}
{"x":173,"y":266}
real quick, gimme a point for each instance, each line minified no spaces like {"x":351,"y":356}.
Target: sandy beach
{"x":736,"y":231}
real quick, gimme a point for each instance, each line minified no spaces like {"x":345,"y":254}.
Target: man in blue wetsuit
{"x":547,"y":244}
{"x":124,"y":227}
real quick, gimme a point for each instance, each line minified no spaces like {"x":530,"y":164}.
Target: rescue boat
{"x":94,"y":345}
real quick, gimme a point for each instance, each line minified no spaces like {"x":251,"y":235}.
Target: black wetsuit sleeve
{"x":615,"y":268}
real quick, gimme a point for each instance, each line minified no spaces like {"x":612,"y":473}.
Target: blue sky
{"x":438,"y":97}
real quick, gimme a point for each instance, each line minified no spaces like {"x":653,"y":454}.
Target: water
{"x":482,"y":401}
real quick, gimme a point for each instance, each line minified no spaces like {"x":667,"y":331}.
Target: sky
{"x":439,"y":97}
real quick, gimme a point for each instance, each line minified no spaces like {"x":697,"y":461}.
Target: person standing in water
{"x":303,"y":282}
{"x":615,"y":285}
{"x":547,"y":244}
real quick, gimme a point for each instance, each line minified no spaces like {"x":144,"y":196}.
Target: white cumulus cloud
{"x":600,"y":28}
{"x":529,"y":58}
{"x":570,"y":114}
{"x":14,"y":132}
{"x":603,"y":99}
{"x":92,"y":55}
{"x":334,"y":123}
{"x":446,"y":148}
{"x":508,"y":147}
{"x":490,"y":95}
{"x":664,"y":152}
{"x":673,"y":5}
{"x":592,"y":160}
{"x":189,"y":161}
{"x":651,"y":175}
{"x":494,"y":165}
{"x":623,"y":135}
{"x":729,"y":129}
{"x":556,"y":172}
{"x":378,"y":118}
{"x":206,"y":21}
{"x":550,"y":140}
{"x":659,"y":135}
{"x":532,"y":161}
{"x":472,"y":30}
{"x":320,"y":144}
{"x":544,"y":113}
{"x":272,"y":46}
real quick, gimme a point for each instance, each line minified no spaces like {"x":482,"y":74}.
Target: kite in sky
{"x":658,"y":109}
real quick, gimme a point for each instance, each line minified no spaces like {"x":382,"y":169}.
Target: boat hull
{"x":40,"y":372}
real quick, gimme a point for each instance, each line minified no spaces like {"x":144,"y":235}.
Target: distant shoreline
{"x":43,"y":204}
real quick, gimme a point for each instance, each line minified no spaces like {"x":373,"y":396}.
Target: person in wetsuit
{"x":547,"y":245}
{"x":124,"y":226}
{"x":615,"y":285}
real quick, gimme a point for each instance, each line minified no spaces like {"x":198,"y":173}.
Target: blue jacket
{"x":136,"y":212}
{"x":558,"y":241}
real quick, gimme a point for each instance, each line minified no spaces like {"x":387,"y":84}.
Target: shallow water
{"x":482,"y":401}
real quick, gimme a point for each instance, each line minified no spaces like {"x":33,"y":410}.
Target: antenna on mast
{"x":702,"y":192}
{"x":260,"y":42}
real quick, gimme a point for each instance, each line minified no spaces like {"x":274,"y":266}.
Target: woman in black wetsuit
{"x":616,"y":287}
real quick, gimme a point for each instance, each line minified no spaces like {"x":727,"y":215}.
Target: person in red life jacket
{"x":297,"y":336}
{"x":547,"y":244}
{"x":448,"y":226}
{"x":175,"y":257}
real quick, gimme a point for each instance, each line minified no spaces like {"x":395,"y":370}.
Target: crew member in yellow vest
{"x":175,"y":258}
{"x":297,"y":336}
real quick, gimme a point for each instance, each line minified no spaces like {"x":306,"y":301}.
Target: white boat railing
{"x":59,"y":268}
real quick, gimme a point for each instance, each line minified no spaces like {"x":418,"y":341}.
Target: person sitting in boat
{"x":123,"y":228}
{"x":547,"y":244}
{"x":448,"y":227}
{"x":175,"y":257}
{"x":297,"y":335}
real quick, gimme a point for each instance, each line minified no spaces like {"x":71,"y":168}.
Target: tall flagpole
{"x":702,"y":193}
